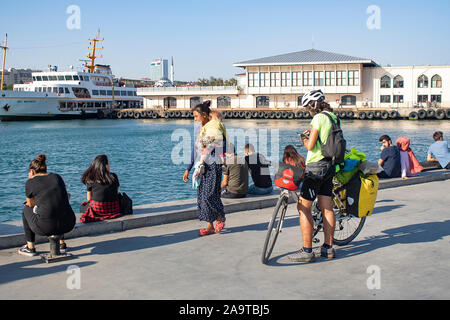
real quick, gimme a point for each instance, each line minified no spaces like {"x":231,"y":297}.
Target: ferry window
{"x":422,"y":98}
{"x":52,"y":78}
{"x":124,"y":93}
{"x":285,"y":79}
{"x":262,"y":101}
{"x":39,"y":78}
{"x":422,"y":82}
{"x":436,"y":98}
{"x":135,"y":93}
{"x":318,"y":78}
{"x":353,"y":78}
{"x":44,"y":89}
{"x":398,"y":99}
{"x":103,"y":92}
{"x":348,"y":100}
{"x":109,"y":92}
{"x":66,"y":90}
{"x":95,"y":92}
{"x":34,"y":78}
{"x":76,"y":78}
{"x":60,"y":78}
{"x":398,"y":82}
{"x":296,"y":79}
{"x":68,"y":78}
{"x":130,"y":93}
{"x":274,"y":79}
{"x":86,"y":78}
{"x":330,"y":78}
{"x":55,"y":90}
{"x":436,"y":81}
{"x":60,"y":90}
{"x":307,"y":78}
{"x":117,"y":93}
{"x":39,"y":89}
{"x":44,"y":78}
{"x":385,"y":99}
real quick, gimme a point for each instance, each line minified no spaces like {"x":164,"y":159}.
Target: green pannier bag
{"x":361,"y":195}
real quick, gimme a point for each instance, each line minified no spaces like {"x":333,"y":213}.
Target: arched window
{"x":299,"y":100}
{"x":223,"y":102}
{"x":436,"y":81}
{"x":385,"y":82}
{"x":422,"y":82}
{"x":195,"y":101}
{"x":262,"y":101}
{"x":170,"y":102}
{"x":348,"y":100}
{"x":398,"y":82}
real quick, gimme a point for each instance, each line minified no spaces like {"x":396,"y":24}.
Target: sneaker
{"x":25,"y":251}
{"x":302,"y":256}
{"x":63,"y":246}
{"x":327,"y":253}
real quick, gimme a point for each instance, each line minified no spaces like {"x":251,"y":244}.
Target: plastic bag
{"x":368,"y":167}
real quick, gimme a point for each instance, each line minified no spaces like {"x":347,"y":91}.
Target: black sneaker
{"x":302,"y":256}
{"x":327,"y":253}
{"x":63,"y":246}
{"x":25,"y":251}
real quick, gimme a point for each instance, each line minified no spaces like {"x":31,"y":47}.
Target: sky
{"x":205,"y":37}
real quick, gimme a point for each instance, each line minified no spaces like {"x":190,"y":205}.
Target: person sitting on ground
{"x":389,"y":159}
{"x":259,"y":170}
{"x":47,"y":210}
{"x":102,"y":192}
{"x":235,"y":175}
{"x":409,"y":163}
{"x":292,"y":157}
{"x":438,"y":151}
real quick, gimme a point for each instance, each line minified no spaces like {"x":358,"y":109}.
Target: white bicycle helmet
{"x":314,"y":95}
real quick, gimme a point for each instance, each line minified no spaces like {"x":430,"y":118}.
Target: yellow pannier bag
{"x":361,"y":192}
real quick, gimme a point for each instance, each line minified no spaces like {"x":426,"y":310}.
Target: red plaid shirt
{"x":99,"y":211}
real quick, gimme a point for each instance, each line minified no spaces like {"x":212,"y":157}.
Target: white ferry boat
{"x":68,"y":95}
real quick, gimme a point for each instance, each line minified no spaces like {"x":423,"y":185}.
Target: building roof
{"x":311,"y":56}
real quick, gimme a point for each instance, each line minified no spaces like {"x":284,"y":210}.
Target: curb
{"x":183,"y":210}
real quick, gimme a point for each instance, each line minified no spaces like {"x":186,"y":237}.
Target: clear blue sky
{"x":206,"y":37}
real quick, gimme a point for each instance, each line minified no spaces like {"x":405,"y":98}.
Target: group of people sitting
{"x":399,"y":160}
{"x":47,"y":210}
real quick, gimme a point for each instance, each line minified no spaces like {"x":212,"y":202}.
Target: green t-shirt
{"x":321,"y":123}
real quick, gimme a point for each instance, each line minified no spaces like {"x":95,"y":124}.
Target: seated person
{"x":235,"y":175}
{"x":259,"y":170}
{"x":47,"y":210}
{"x":409,"y":163}
{"x":389,"y":159}
{"x":292,"y":157}
{"x":438,"y":151}
{"x":102,"y":192}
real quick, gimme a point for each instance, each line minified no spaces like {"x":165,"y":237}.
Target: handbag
{"x":126,"y":204}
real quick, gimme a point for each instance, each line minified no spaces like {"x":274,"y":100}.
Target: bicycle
{"x":347,"y":227}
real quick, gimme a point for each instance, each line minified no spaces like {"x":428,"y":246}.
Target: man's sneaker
{"x":25,"y":251}
{"x":302,"y":256}
{"x":327,"y":253}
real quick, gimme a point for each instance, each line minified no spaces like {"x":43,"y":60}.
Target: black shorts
{"x":311,"y":188}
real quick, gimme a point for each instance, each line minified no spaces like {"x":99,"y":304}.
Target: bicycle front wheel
{"x":347,"y":228}
{"x":274,"y":227}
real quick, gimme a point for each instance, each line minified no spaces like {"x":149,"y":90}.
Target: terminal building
{"x":280,"y":82}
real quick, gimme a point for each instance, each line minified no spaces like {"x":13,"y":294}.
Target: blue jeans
{"x":259,"y":191}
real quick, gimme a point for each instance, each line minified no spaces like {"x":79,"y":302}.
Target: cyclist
{"x":318,"y":181}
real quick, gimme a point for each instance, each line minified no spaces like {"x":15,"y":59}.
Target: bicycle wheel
{"x":347,"y":228}
{"x":274,"y":227}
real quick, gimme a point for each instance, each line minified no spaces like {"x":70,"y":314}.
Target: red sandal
{"x":219,"y":226}
{"x":205,"y":232}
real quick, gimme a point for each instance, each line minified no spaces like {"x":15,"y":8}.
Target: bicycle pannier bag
{"x":289,"y":177}
{"x":334,"y":147}
{"x":361,"y":192}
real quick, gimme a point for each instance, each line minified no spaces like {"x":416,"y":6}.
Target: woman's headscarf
{"x":403,"y":144}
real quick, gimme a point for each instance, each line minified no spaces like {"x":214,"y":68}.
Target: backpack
{"x":288,"y":176}
{"x":334,"y":147}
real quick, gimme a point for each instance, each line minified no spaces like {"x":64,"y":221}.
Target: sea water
{"x":147,"y":155}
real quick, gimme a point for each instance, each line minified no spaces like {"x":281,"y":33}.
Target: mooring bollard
{"x":55,"y":254}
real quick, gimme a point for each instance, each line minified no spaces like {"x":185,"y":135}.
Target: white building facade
{"x":280,"y":82}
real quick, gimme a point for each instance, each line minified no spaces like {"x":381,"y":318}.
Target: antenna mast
{"x":92,"y":56}
{"x":4,"y":58}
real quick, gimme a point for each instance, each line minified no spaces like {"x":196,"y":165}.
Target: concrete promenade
{"x":401,"y":253}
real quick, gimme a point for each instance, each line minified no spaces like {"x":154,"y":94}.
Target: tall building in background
{"x":159,"y":69}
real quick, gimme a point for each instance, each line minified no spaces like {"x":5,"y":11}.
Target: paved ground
{"x":405,"y":242}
